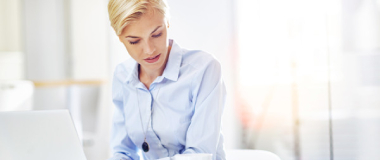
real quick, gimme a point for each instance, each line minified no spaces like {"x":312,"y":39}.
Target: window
{"x":297,"y":59}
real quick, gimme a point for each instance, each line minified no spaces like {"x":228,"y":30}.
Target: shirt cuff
{"x":120,"y":157}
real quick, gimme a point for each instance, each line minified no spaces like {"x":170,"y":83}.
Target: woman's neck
{"x":148,"y":76}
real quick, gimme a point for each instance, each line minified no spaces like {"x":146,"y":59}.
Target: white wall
{"x":88,"y":39}
{"x":46,"y":44}
{"x":11,"y":55}
{"x":10,"y":25}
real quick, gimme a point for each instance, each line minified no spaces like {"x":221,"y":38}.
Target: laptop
{"x":39,"y":135}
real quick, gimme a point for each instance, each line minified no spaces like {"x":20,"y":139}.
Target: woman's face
{"x":146,"y":40}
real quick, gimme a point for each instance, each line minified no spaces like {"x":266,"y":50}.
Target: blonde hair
{"x":123,"y":12}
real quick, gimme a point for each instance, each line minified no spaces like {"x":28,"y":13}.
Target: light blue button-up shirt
{"x":181,"y":112}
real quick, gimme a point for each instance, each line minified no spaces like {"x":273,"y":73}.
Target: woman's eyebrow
{"x":155,"y":29}
{"x":131,"y":37}
{"x":150,"y":33}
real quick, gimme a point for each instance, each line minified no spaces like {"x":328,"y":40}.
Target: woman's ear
{"x":167,"y":24}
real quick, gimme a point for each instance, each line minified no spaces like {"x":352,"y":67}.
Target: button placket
{"x":151,"y":133}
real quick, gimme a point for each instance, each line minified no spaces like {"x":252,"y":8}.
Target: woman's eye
{"x":135,"y":42}
{"x":158,"y":35}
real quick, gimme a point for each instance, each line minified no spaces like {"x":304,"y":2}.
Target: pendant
{"x":145,"y":146}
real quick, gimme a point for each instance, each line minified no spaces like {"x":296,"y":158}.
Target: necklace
{"x":145,"y":145}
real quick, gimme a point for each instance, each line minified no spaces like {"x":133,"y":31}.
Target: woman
{"x":168,"y":100}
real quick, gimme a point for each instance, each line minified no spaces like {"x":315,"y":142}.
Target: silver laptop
{"x":39,"y":135}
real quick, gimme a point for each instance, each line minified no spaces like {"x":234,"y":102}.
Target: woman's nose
{"x":148,"y":48}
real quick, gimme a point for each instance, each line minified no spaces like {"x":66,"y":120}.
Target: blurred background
{"x":303,"y":77}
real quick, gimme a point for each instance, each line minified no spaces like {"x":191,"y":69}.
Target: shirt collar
{"x":174,"y":62}
{"x":133,"y":76}
{"x":171,"y":70}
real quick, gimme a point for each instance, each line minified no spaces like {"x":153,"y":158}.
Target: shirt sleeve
{"x":122,"y":146}
{"x":208,"y":100}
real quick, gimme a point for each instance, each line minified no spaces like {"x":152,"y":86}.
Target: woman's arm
{"x":209,"y":96}
{"x":122,"y":146}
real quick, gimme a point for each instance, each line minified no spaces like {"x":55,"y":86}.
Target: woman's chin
{"x":152,"y":66}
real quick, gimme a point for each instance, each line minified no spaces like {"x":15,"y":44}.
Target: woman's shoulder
{"x":205,"y":67}
{"x":123,"y":69}
{"x":199,"y":59}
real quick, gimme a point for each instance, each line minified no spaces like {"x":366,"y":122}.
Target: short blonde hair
{"x":123,"y":12}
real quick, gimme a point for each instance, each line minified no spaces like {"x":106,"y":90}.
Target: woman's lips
{"x":153,"y":59}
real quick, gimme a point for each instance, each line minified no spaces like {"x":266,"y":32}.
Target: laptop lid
{"x":39,"y":135}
